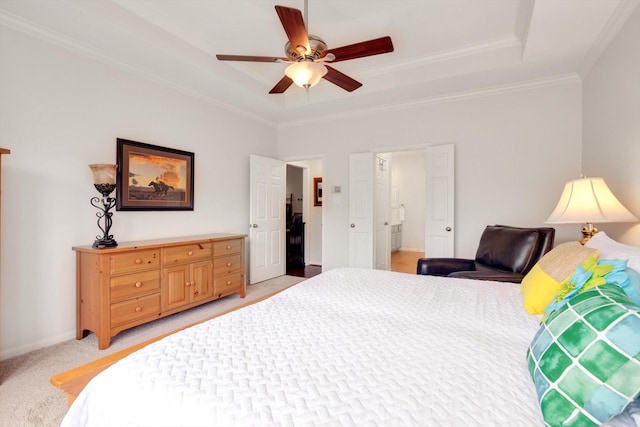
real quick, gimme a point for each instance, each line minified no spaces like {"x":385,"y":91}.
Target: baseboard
{"x":19,"y":351}
{"x":411,"y":249}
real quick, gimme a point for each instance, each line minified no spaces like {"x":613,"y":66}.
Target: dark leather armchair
{"x":505,"y":254}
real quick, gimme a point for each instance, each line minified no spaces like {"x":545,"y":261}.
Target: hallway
{"x":405,"y":261}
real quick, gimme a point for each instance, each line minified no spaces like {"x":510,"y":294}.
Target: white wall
{"x":408,"y":176}
{"x":514,"y":152}
{"x":58,"y":113}
{"x":611,"y":125}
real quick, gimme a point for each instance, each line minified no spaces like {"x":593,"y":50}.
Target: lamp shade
{"x":589,"y":200}
{"x":103,"y":174}
{"x":305,"y":74}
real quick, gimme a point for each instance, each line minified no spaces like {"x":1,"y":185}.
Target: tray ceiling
{"x":443,"y":48}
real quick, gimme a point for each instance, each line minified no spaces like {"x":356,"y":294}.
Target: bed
{"x":347,"y":347}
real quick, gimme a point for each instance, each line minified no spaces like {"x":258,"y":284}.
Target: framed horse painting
{"x":153,"y":178}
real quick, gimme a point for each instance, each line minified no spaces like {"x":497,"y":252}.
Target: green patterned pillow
{"x":585,"y":359}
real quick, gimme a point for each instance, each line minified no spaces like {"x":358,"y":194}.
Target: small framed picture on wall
{"x":317,"y":191}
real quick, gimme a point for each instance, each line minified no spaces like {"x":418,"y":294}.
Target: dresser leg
{"x":104,"y":342}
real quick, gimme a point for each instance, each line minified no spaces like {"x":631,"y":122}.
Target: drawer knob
{"x":190,"y":253}
{"x":138,"y":284}
{"x":229,"y":264}
{"x":138,"y":261}
{"x":228,"y":282}
{"x":138,"y":309}
{"x":228,"y":247}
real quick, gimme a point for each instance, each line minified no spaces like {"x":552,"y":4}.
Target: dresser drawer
{"x":186,"y":253}
{"x":135,"y":261}
{"x":132,"y":285}
{"x":224,"y":247}
{"x":227,"y":264}
{"x":135,"y":309}
{"x":228,"y":283}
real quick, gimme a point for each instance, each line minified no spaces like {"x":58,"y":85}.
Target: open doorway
{"x":303,"y":219}
{"x":406,"y":204}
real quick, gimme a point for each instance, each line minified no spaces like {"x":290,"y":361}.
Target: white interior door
{"x":267,"y":253}
{"x":361,"y":253}
{"x":381,"y":202}
{"x":439,"y":227}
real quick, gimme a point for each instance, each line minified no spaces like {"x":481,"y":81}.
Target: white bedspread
{"x":348,"y":347}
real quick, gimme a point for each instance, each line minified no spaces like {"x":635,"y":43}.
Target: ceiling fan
{"x":308,"y":55}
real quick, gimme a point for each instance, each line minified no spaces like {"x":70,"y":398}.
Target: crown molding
{"x":523,"y":22}
{"x":611,"y":29}
{"x":49,"y":36}
{"x":449,"y":55}
{"x":479,"y":93}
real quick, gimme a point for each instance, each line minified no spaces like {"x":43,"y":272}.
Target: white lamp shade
{"x":589,"y":200}
{"x":306,"y":73}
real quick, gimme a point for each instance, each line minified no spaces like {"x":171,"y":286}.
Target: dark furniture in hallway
{"x":295,"y":242}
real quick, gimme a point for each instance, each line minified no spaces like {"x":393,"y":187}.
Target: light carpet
{"x":28,"y":399}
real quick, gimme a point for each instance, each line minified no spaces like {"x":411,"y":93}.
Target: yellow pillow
{"x":543,"y":280}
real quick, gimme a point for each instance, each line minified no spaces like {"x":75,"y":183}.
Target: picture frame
{"x":317,"y":191}
{"x":153,"y":178}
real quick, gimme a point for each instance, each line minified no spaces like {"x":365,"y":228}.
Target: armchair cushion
{"x":443,"y":266}
{"x":485,"y":273}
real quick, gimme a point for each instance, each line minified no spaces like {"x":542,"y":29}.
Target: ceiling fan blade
{"x":342,"y":80}
{"x":362,"y":49}
{"x":293,"y":24}
{"x":250,"y":58}
{"x":282,"y":85}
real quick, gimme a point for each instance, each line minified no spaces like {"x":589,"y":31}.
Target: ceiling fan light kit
{"x":306,"y":74}
{"x":306,"y":53}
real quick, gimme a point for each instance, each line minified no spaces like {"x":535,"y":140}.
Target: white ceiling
{"x":442,"y":47}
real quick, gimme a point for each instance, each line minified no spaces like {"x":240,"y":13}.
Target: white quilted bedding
{"x":347,"y":347}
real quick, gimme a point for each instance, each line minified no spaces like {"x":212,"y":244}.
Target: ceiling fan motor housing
{"x":299,"y":53}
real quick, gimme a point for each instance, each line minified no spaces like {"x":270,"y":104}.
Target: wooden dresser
{"x":138,"y":282}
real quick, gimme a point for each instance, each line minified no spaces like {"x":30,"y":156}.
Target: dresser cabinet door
{"x":201,"y":281}
{"x":176,"y":285}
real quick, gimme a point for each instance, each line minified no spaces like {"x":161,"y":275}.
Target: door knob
{"x":386,"y":223}
{"x":353,"y":226}
{"x":448,"y":228}
{"x":254,"y":225}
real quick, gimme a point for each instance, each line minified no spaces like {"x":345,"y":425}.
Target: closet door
{"x":267,"y":252}
{"x":439,"y":227}
{"x":361,"y":178}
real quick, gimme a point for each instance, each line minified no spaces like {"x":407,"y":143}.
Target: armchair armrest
{"x":444,"y":266}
